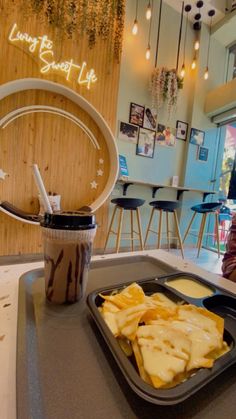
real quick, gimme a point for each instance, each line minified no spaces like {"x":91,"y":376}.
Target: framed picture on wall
{"x":150,"y":118}
{"x":136,"y":114}
{"x":146,"y":143}
{"x":202,"y":154}
{"x":197,"y":137}
{"x":181,"y":130}
{"x":128,"y":132}
{"x":166,"y":136}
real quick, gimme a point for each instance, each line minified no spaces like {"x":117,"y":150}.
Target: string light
{"x":197,"y":25}
{"x":187,"y":9}
{"x":206,"y":74}
{"x":211,"y":13}
{"x":148,"y":50}
{"x":182,"y":72}
{"x":135,"y":25}
{"x":197,"y":45}
{"x":194,"y":63}
{"x":149,"y":11}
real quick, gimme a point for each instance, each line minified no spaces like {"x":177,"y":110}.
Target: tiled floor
{"x":207,"y":259}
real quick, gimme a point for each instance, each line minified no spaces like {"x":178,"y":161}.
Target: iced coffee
{"x":68,"y":239}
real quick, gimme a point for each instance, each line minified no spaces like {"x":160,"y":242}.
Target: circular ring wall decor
{"x":21,"y":85}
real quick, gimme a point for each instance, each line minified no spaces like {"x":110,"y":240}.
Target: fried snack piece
{"x":204,"y":329}
{"x":165,"y":352}
{"x":162,"y":300}
{"x":129,"y":296}
{"x":127,"y":320}
{"x":139,"y":362}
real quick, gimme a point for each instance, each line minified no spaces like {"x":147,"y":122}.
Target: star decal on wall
{"x":3,"y":174}
{"x":94,"y":184}
{"x":101,"y":161}
{"x":99,"y":172}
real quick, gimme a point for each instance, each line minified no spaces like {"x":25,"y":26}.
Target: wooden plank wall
{"x":66,"y":160}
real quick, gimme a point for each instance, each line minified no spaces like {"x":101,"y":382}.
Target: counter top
{"x":9,"y":276}
{"x":155,"y":186}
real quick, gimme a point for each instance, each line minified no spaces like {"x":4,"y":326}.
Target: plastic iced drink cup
{"x":68,"y":239}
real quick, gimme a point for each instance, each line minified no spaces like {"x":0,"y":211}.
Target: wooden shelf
{"x":179,"y":189}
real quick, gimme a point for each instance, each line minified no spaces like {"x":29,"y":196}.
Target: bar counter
{"x":220,"y":402}
{"x":155,"y":186}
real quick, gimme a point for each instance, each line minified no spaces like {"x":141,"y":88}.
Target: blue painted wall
{"x":134,"y":87}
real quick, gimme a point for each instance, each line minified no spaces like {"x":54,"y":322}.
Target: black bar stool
{"x":205,"y":209}
{"x":121,"y":205}
{"x":169,"y":207}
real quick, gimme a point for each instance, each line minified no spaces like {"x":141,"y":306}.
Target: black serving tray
{"x":221,"y":302}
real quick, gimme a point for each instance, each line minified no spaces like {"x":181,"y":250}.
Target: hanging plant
{"x":119,"y":29}
{"x":164,"y":86}
{"x":165,"y":83}
{"x":74,"y":18}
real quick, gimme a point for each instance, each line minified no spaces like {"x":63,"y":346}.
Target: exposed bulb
{"x":149,"y":12}
{"x":182,"y":72}
{"x":148,"y":52}
{"x":135,"y":27}
{"x":194,"y":64}
{"x":197,"y":45}
{"x":206,"y":74}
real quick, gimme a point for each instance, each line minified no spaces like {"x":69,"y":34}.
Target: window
{"x":231,"y":70}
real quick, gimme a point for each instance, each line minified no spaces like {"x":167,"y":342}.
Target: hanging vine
{"x":75,"y":18}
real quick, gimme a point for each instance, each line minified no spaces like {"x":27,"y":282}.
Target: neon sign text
{"x":43,"y":47}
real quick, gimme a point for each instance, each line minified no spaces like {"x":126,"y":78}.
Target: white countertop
{"x":9,"y":276}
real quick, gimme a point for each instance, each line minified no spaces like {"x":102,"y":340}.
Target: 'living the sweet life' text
{"x":43,"y":47}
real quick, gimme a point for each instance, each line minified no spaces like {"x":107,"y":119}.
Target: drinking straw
{"x":42,"y":190}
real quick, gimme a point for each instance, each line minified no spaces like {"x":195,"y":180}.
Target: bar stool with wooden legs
{"x":121,"y":205}
{"x":206,"y":208}
{"x":169,"y":207}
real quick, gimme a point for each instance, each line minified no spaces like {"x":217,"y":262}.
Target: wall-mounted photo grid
{"x":144,"y":130}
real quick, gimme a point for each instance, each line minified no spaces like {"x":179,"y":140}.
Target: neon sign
{"x":42,"y":47}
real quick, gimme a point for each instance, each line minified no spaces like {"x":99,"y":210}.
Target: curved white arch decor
{"x":20,"y":85}
{"x":17,"y":113}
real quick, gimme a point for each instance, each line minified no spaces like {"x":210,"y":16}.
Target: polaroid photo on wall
{"x":128,"y":132}
{"x":136,"y":114}
{"x":146,"y":143}
{"x":166,"y":136}
{"x":150,"y":118}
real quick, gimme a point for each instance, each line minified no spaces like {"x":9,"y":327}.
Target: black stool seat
{"x":132,"y":205}
{"x":169,"y":206}
{"x":128,"y":203}
{"x":206,"y":207}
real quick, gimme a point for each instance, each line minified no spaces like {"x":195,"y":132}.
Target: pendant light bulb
{"x":182,"y":72}
{"x":197,"y":45}
{"x":148,"y":52}
{"x":206,"y":74}
{"x":135,"y":27}
{"x":194,"y":64}
{"x":149,"y":11}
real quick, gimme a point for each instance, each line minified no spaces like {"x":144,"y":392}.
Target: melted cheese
{"x":203,"y":343}
{"x":165,"y":351}
{"x":190,"y":288}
